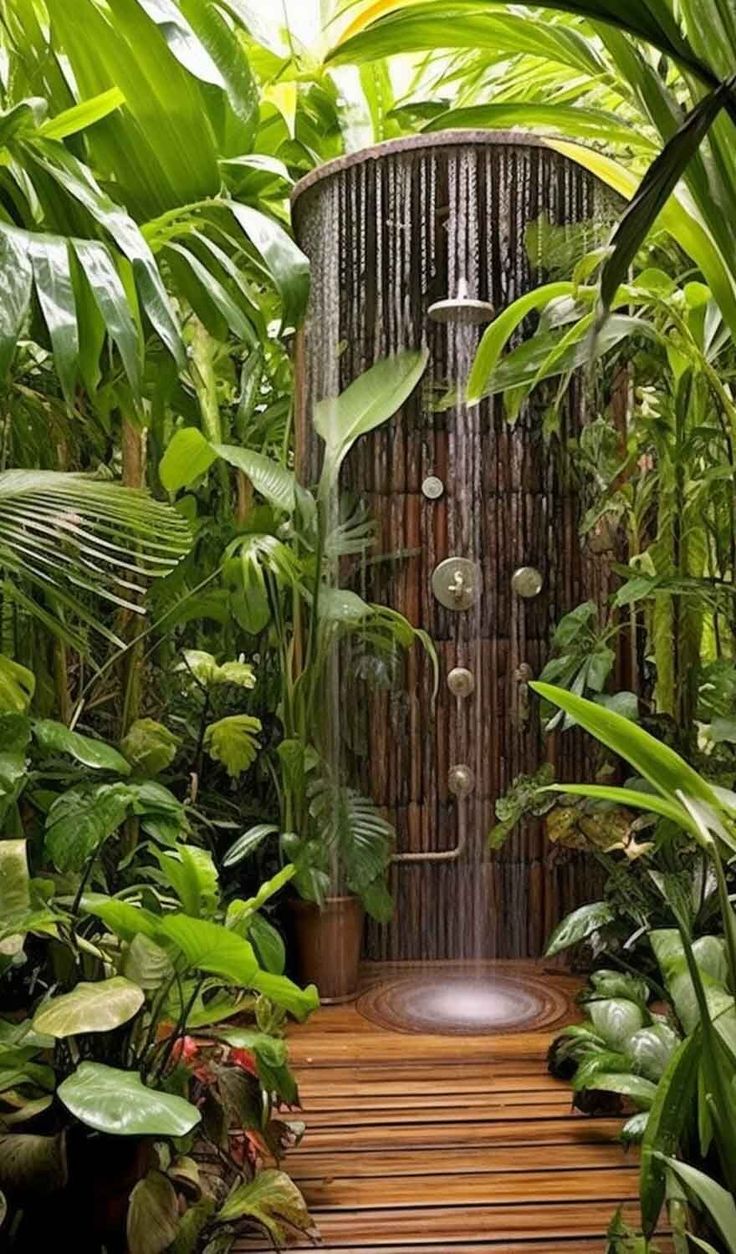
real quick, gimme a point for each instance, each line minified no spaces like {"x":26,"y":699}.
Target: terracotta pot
{"x":327,"y":945}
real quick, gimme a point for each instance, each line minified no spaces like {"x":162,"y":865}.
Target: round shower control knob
{"x":527,"y":582}
{"x":456,"y":583}
{"x":460,"y":780}
{"x":461,"y":681}
{"x":433,"y":488}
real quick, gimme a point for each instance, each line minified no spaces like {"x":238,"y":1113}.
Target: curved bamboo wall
{"x":388,"y":233}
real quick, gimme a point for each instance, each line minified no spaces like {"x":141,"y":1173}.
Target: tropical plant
{"x":693,"y":1101}
{"x":620,"y":58}
{"x":125,"y":1065}
{"x":289,"y":582}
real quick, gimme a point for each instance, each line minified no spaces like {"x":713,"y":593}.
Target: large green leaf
{"x":160,"y":143}
{"x":209,"y":947}
{"x":193,"y":876}
{"x":80,"y":116}
{"x":283,"y":260}
{"x":668,"y":1120}
{"x":81,"y":819}
{"x":656,"y":188}
{"x":110,"y":296}
{"x":653,"y":802}
{"x":651,"y":20}
{"x":98,"y":1007}
{"x":273,"y":481}
{"x":368,"y":402}
{"x":52,"y":274}
{"x":54,"y":737}
{"x":655,"y":761}
{"x":17,"y":272}
{"x":573,"y":121}
{"x":579,"y":925}
{"x":273,"y":1202}
{"x":469,"y":24}
{"x":300,"y":1002}
{"x":188,"y":456}
{"x":714,"y":1199}
{"x":119,"y":1103}
{"x":234,"y":742}
{"x":679,"y":217}
{"x":121,"y":917}
{"x":153,"y":1215}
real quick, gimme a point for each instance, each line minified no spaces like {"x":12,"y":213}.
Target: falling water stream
{"x":391,"y":234}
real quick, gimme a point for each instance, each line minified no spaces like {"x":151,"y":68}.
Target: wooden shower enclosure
{"x":390,"y":232}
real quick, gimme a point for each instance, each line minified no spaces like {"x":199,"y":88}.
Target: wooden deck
{"x":455,"y":1144}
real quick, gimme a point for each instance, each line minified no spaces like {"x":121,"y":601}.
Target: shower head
{"x":462,"y":310}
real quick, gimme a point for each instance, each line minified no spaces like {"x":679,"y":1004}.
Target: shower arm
{"x":442,"y":855}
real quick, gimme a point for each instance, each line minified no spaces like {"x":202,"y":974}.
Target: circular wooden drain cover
{"x":462,"y":1004}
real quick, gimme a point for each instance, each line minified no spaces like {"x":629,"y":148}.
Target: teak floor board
{"x":475,"y":1189}
{"x":443,"y":1161}
{"x":415,"y":1136}
{"x":449,"y":1144}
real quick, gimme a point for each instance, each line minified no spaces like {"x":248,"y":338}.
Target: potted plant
{"x":288,"y":582}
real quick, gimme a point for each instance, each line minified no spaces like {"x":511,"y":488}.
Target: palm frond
{"x":73,"y":538}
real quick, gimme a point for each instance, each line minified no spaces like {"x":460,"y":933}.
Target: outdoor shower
{"x":425,"y":241}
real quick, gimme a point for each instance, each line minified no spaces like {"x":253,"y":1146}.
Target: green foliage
{"x":234,"y":742}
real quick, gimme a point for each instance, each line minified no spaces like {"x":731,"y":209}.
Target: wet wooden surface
{"x":448,"y":1143}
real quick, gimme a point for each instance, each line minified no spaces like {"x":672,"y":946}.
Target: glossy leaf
{"x":657,"y":186}
{"x":667,"y":1124}
{"x":367,"y":403}
{"x":81,"y":819}
{"x":98,"y":1007}
{"x":16,"y":268}
{"x":80,"y":116}
{"x":573,"y":121}
{"x":54,"y":282}
{"x":248,"y":843}
{"x":467,"y":24}
{"x":274,"y":482}
{"x":54,"y":737}
{"x":112,"y":302}
{"x":300,"y":1002}
{"x":635,"y":1087}
{"x":659,"y":764}
{"x":120,"y":1104}
{"x":283,"y":260}
{"x":209,"y":947}
{"x":714,"y":1199}
{"x":272,"y":1201}
{"x":188,"y":456}
{"x":234,"y":742}
{"x":616,"y":1020}
{"x":652,"y":20}
{"x":579,"y":925}
{"x":153,"y":1215}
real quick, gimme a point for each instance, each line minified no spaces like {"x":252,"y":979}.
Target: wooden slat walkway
{"x":450,"y":1144}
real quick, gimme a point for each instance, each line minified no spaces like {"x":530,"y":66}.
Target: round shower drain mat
{"x":462,"y":1004}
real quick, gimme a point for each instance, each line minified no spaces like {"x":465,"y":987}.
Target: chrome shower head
{"x":462,"y":310}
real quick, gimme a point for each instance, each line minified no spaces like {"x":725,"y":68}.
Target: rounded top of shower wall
{"x":413,"y":143}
